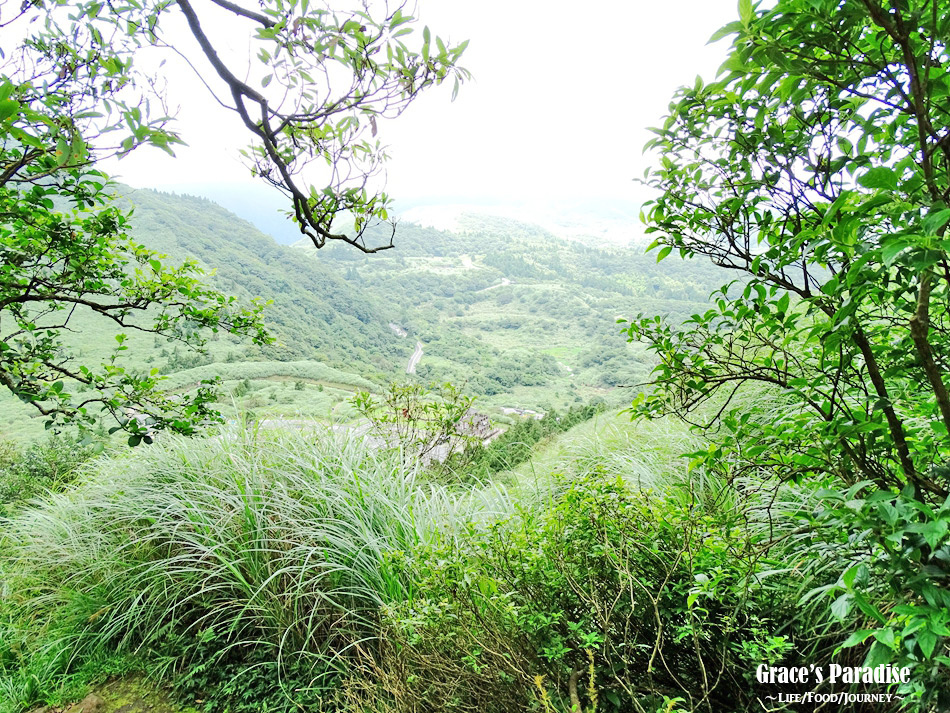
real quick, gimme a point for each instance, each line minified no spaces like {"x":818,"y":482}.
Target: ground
{"x":126,"y":695}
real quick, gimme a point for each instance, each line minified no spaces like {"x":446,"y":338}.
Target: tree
{"x":72,"y":94}
{"x":817,"y":169}
{"x":429,"y":424}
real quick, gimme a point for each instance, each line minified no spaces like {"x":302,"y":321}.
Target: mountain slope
{"x":316,"y":315}
{"x":515,"y":315}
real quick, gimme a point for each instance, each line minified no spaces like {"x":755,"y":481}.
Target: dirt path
{"x":126,"y":695}
{"x":504,"y":283}
{"x":414,"y":359}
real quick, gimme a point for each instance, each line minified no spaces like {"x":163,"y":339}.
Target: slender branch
{"x":249,"y":14}
{"x":263,"y":130}
{"x":919,"y":329}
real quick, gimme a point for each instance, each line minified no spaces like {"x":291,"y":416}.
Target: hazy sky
{"x":558,"y":108}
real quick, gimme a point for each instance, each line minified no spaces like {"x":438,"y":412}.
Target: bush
{"x":48,"y":465}
{"x":658,"y":593}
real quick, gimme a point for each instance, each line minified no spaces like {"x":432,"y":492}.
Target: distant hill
{"x":592,"y":221}
{"x":317,"y":314}
{"x":522,"y":318}
{"x":510,"y":309}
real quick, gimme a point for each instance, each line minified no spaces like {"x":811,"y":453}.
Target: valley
{"x":513,"y":315}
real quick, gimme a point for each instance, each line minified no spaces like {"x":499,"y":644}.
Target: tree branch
{"x":239,"y":90}
{"x":919,"y":329}
{"x":249,"y":14}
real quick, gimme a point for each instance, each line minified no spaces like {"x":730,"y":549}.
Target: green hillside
{"x":317,"y":315}
{"x":536,"y":316}
{"x":519,"y":317}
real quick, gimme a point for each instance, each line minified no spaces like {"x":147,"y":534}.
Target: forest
{"x":485,"y":468}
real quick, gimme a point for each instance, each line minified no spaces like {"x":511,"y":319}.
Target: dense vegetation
{"x":230,"y":565}
{"x":771,"y":531}
{"x":548,"y":342}
{"x":817,"y":168}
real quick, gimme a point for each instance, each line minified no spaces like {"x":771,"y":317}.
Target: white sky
{"x":558,"y":108}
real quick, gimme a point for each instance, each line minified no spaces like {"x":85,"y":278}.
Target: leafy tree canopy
{"x":817,"y":169}
{"x":71,"y":93}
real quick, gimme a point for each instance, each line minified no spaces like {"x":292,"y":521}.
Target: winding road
{"x":414,"y":359}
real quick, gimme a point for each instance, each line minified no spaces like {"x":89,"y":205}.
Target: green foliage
{"x":67,"y":252}
{"x":426,"y":424}
{"x":38,"y":675}
{"x":48,"y":465}
{"x":59,"y":264}
{"x":816,"y":167}
{"x":279,"y":570}
{"x":656,"y":592}
{"x":893,"y":585}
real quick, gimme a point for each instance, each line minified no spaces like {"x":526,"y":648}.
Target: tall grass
{"x":279,"y":557}
{"x":287,"y":544}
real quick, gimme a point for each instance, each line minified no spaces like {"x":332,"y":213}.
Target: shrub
{"x":658,"y":592}
{"x":48,"y":465}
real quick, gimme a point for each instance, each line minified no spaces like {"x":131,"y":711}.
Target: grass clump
{"x":250,"y":567}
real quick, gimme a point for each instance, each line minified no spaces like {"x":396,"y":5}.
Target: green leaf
{"x":934,"y":532}
{"x":878,"y":654}
{"x":745,"y":12}
{"x":733,"y":64}
{"x":841,"y":607}
{"x":933,"y":222}
{"x":927,"y":641}
{"x":857,"y":637}
{"x":885,"y":636}
{"x":892,"y":249}
{"x":856,"y":574}
{"x":879,"y":177}
{"x":783,"y":303}
{"x":869,"y":609}
{"x":8,"y":107}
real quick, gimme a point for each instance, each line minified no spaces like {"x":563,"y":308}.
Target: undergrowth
{"x":274,"y":572}
{"x":253,"y":557}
